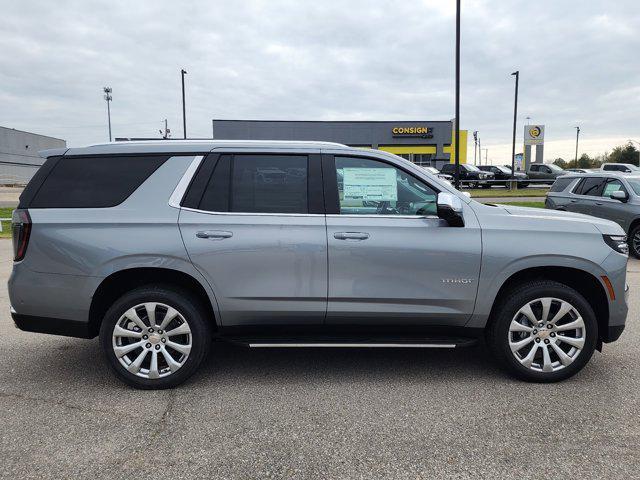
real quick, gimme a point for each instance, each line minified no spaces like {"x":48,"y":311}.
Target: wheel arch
{"x":582,"y":281}
{"x":634,"y":223}
{"x":115,"y":285}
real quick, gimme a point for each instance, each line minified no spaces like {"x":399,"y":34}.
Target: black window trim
{"x":315,"y":191}
{"x":332,"y":201}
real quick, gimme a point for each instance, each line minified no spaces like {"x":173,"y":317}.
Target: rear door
{"x":392,"y":261}
{"x":254,"y":225}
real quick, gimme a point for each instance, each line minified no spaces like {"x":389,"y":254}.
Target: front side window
{"x":370,"y":187}
{"x":612,"y":185}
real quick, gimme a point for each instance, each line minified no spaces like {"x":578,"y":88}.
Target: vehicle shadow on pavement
{"x":67,"y":359}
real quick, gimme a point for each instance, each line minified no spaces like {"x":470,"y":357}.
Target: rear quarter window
{"x":94,"y":182}
{"x":561,"y":184}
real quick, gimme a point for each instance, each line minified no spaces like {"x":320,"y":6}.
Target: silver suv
{"x":159,"y":246}
{"x":612,"y":195}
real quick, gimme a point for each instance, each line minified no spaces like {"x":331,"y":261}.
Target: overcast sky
{"x":323,"y":60}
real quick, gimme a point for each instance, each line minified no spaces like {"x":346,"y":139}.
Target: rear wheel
{"x":543,"y":331}
{"x":155,"y":337}
{"x":634,"y":241}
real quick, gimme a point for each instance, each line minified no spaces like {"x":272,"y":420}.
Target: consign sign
{"x":426,"y":132}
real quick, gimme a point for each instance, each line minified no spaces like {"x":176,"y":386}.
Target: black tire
{"x":190,"y":309}
{"x":635,"y":251}
{"x":497,"y":332}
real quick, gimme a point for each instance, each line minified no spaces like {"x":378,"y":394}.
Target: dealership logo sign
{"x":424,"y":132}
{"x":534,"y":134}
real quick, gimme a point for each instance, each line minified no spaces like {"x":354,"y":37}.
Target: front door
{"x":392,"y":261}
{"x":255,"y":228}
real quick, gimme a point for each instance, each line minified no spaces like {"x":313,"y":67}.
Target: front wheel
{"x":543,"y":331}
{"x":634,"y":241}
{"x":155,"y":337}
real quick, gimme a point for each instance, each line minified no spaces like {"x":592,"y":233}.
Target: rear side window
{"x":258,"y":184}
{"x":589,"y":186}
{"x":560,"y":184}
{"x":94,"y":182}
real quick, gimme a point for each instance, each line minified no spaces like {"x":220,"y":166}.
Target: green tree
{"x":625,"y":154}
{"x":585,"y":161}
{"x":560,"y":162}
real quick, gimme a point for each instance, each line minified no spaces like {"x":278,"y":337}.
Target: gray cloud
{"x":320,"y":60}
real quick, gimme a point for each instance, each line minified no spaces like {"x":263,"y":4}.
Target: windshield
{"x":635,"y":184}
{"x":554,"y":168}
{"x":472,"y":168}
{"x":504,"y":170}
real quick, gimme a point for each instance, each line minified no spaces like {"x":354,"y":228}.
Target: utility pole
{"x":515,"y":117}
{"x":457,"y":132}
{"x":577,"y":137}
{"x":475,"y":146}
{"x":183,"y":72}
{"x":479,"y":151}
{"x":108,"y":98}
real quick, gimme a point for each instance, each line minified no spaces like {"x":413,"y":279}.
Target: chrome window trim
{"x":260,"y":214}
{"x":183,"y":184}
{"x":373,"y":215}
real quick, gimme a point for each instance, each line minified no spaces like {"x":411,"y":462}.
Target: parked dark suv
{"x":470,"y":175}
{"x":504,"y":173}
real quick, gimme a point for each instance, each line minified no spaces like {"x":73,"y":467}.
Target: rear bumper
{"x":53,"y":326}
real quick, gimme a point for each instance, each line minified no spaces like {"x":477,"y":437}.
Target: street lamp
{"x":457,"y":131}
{"x":515,"y":116}
{"x":577,"y":137}
{"x":108,"y":98}
{"x":183,"y":72}
{"x":475,"y":146}
{"x":486,"y":154}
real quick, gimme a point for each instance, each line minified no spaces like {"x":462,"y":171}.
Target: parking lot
{"x":315,"y":413}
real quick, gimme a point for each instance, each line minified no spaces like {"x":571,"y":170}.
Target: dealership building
{"x":19,"y":159}
{"x":422,"y":142}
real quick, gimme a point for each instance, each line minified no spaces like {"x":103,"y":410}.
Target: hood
{"x":606,"y":227}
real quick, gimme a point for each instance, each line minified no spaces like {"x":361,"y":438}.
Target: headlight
{"x":617,"y":242}
{"x":482,"y":175}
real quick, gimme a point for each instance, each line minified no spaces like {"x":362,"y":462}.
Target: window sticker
{"x":376,"y":184}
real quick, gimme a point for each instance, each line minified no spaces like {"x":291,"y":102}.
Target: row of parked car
{"x":486,"y":176}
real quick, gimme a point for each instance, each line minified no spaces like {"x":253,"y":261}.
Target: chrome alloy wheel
{"x":152,"y":340}
{"x":635,"y":242}
{"x":547,"y":334}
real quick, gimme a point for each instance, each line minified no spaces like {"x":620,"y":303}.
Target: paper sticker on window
{"x":376,"y":184}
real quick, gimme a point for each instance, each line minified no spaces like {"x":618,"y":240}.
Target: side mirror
{"x":619,"y":195}
{"x":450,"y":209}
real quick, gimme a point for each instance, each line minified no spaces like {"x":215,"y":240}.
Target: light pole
{"x":479,"y":151}
{"x":577,"y":137}
{"x":475,"y":146}
{"x":457,"y":132}
{"x":108,"y":98}
{"x":515,"y":117}
{"x":486,"y":154}
{"x":183,"y":72}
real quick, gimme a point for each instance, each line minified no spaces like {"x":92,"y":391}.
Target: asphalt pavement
{"x":307,"y":413}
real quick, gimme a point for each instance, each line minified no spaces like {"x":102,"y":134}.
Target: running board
{"x":352,"y":345}
{"x":333,"y":342}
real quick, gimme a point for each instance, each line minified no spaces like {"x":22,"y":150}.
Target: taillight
{"x":21,"y":226}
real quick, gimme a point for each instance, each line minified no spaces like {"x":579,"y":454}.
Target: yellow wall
{"x":418,"y":149}
{"x":400,"y":149}
{"x":463,"y":146}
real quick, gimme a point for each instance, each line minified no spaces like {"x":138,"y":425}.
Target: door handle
{"x":599,"y":203}
{"x":214,"y":234}
{"x":351,"y":235}
{"x":574,"y":201}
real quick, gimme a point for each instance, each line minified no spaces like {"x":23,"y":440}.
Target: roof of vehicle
{"x":602,"y":173}
{"x":625,"y":164}
{"x":178,"y":146}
